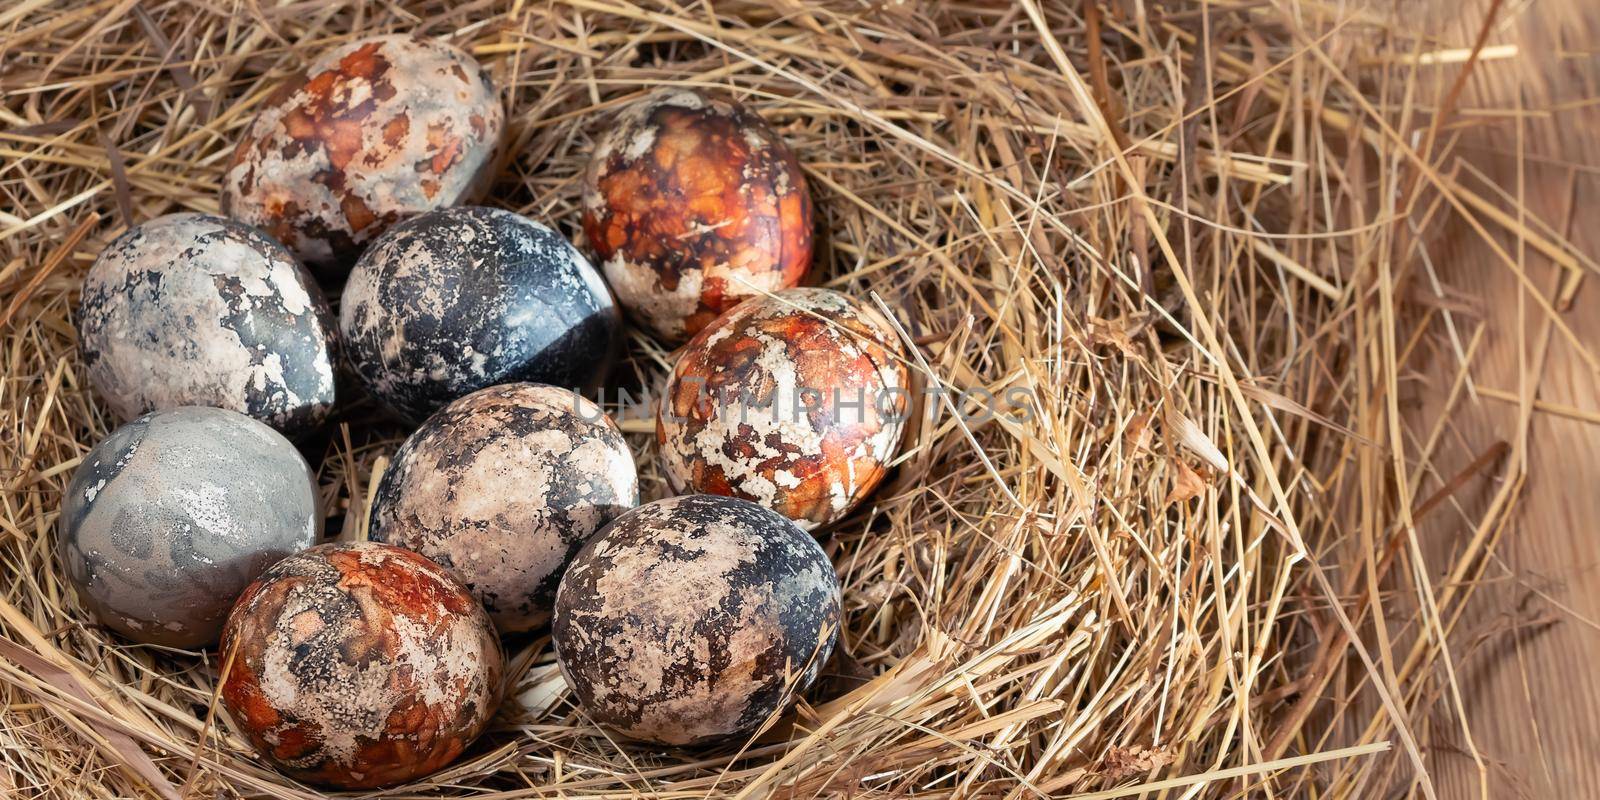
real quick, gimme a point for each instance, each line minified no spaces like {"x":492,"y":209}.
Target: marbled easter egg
{"x":694,"y":618}
{"x":373,"y":131}
{"x":454,"y":300}
{"x":691,"y":203}
{"x":502,"y":487}
{"x":194,"y":309}
{"x":359,"y":665}
{"x":172,"y":515}
{"x":795,"y":401}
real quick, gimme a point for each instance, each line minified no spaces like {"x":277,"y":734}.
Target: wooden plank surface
{"x":1527,"y":651}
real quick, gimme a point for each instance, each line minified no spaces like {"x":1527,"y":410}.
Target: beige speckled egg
{"x":502,"y":487}
{"x":372,"y":132}
{"x":694,"y":618}
{"x":359,"y":665}
{"x":795,"y":401}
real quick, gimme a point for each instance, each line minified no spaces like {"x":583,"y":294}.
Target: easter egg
{"x":694,"y":618}
{"x":457,"y":299}
{"x":502,"y":487}
{"x":373,"y":131}
{"x":692,"y":203}
{"x":172,"y":515}
{"x":359,"y":665}
{"x":194,"y":309}
{"x":794,"y":401}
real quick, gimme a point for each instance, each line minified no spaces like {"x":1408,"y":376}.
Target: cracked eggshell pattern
{"x":691,"y":204}
{"x":173,"y":514}
{"x":794,"y":401}
{"x":194,"y":309}
{"x":694,"y":618}
{"x":458,"y":299}
{"x":372,"y":132}
{"x":502,"y":487}
{"x":360,"y":665}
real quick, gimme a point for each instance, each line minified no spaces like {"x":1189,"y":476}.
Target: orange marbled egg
{"x":372,"y":132}
{"x":692,"y":204}
{"x":795,"y":401}
{"x":359,"y":665}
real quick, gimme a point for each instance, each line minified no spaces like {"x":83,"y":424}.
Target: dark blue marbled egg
{"x":459,"y":299}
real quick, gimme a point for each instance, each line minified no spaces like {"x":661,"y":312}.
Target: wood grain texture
{"x":1527,"y":647}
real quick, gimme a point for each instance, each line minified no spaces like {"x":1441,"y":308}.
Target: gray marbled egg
{"x":172,"y":515}
{"x":457,"y":299}
{"x":694,"y":618}
{"x":194,"y":309}
{"x":502,"y":487}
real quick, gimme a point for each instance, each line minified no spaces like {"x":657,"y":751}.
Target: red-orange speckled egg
{"x":794,"y":401}
{"x":359,"y":665}
{"x":372,"y":132}
{"x":693,"y":204}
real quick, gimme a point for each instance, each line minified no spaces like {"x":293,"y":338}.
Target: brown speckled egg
{"x":372,"y":132}
{"x":692,"y":203}
{"x":694,"y":618}
{"x":502,"y":487}
{"x":795,"y":401}
{"x":359,"y":665}
{"x":173,"y":514}
{"x":194,"y":309}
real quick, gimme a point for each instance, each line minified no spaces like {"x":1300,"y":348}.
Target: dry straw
{"x":1190,"y":231}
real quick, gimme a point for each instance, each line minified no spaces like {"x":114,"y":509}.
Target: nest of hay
{"x":1186,"y":233}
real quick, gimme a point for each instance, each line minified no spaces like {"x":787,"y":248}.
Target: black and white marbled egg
{"x":173,"y":514}
{"x":195,"y":309}
{"x":694,"y":618}
{"x":502,"y":487}
{"x":457,"y":299}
